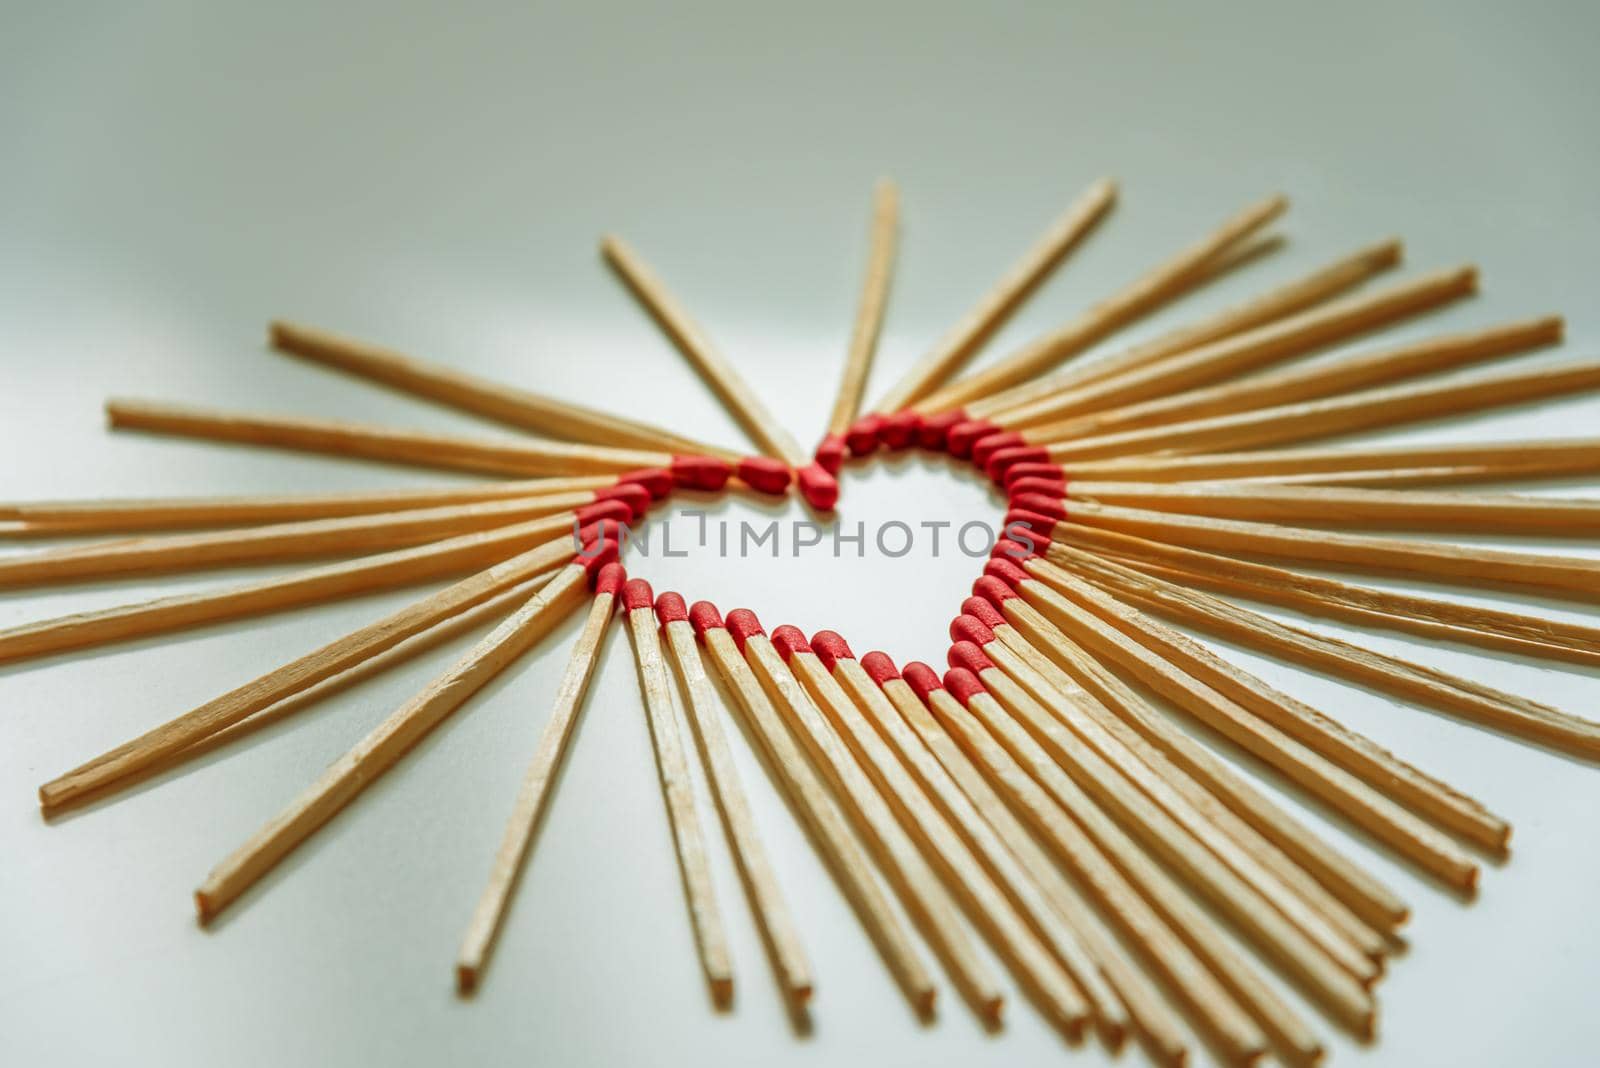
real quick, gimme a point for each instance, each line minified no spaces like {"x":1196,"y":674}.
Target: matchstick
{"x":1048,"y":918}
{"x":538,"y":784}
{"x":459,"y":389}
{"x":1328,"y":974}
{"x":868,"y":324}
{"x":1235,"y":842}
{"x":448,"y":451}
{"x":1094,"y":846}
{"x":324,"y":662}
{"x":1163,"y":283}
{"x":1048,"y":984}
{"x":672,"y":766}
{"x":1326,"y":378}
{"x":287,"y":541}
{"x":1489,"y":628}
{"x":777,"y":926}
{"x":346,"y":578}
{"x":1144,"y":1005}
{"x":1249,"y":351}
{"x":1376,"y":904}
{"x":50,"y":518}
{"x":1305,"y":292}
{"x":364,"y":763}
{"x":1195,"y":681}
{"x":1474,"y":459}
{"x":1326,"y":417}
{"x":1568,"y":577}
{"x":925,"y":898}
{"x":1007,"y":295}
{"x":819,"y":813}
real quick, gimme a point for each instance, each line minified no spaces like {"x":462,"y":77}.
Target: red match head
{"x":610,"y":509}
{"x":862,"y":437}
{"x":635,"y":496}
{"x":983,"y":610}
{"x":1019,"y":471}
{"x":786,"y":639}
{"x":830,"y":648}
{"x":996,"y":591}
{"x":670,"y":608}
{"x":900,"y":429}
{"x":1054,"y":507}
{"x":1006,"y":571}
{"x":921,"y":678}
{"x":636,"y":593}
{"x":703,"y":615}
{"x":990,"y":444}
{"x":700,"y":472}
{"x":830,"y":453}
{"x":1015,"y":551}
{"x":818,"y":487}
{"x":595,"y":555}
{"x":879,"y":668}
{"x":743,"y":625}
{"x":965,"y":628}
{"x":963,"y":436}
{"x":1049,"y":487}
{"x":764,"y":474}
{"x":608,"y":578}
{"x":657,"y":481}
{"x":1039,"y":526}
{"x":612,"y":529}
{"x":935,"y":429}
{"x":962,"y":684}
{"x":968,"y":655}
{"x":1002,"y":460}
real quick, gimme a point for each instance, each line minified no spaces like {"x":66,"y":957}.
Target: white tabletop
{"x":176,"y":175}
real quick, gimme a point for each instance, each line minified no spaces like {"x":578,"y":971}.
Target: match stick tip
{"x":983,"y":611}
{"x":921,"y":678}
{"x":636,"y":594}
{"x":789,"y":641}
{"x":635,"y":496}
{"x":1015,"y":487}
{"x":879,"y":668}
{"x":1021,"y":525}
{"x":609,"y":578}
{"x":670,"y":608}
{"x":991,"y":443}
{"x":934,"y":431}
{"x":962,"y":683}
{"x":818,"y":487}
{"x":701,"y":472}
{"x":764,"y":474}
{"x":1017,"y":472}
{"x":993,"y":588}
{"x":703,"y":615}
{"x":964,"y":435}
{"x":602,"y":510}
{"x":965,"y":628}
{"x":899,"y":430}
{"x":743,"y":625}
{"x":1003,"y":570}
{"x":1012,"y":551}
{"x":965,"y":654}
{"x":1005,"y":459}
{"x":830,"y":648}
{"x":466,"y":979}
{"x":862,"y":437}
{"x":595,"y":555}
{"x":830,"y":453}
{"x":657,"y":481}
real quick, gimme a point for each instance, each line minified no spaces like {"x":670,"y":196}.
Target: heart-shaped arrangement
{"x":1040,"y":794}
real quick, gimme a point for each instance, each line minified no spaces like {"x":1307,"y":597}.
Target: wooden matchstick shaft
{"x":1289,"y":299}
{"x":297,"y":675}
{"x":1571,"y":577}
{"x":1163,"y":283}
{"x":1497,"y":513}
{"x":459,"y":389}
{"x":988,"y":907}
{"x":677,"y":790}
{"x":869,"y":312}
{"x":692,"y":341}
{"x":1129,"y":884}
{"x":767,"y":902}
{"x":1329,"y":416}
{"x":1271,"y":343}
{"x":347,"y":535}
{"x":925,"y":898}
{"x":346,"y":578}
{"x":919,"y":739}
{"x":813,"y":801}
{"x":91,"y":517}
{"x":534,"y":796}
{"x":1327,"y":973}
{"x":411,"y":447}
{"x":388,"y":742}
{"x":1471,"y":624}
{"x":1573,"y":456}
{"x":1248,"y":713}
{"x":1007,"y":295}
{"x":1322,"y":379}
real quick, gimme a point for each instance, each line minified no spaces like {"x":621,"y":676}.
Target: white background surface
{"x":176,"y":175}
